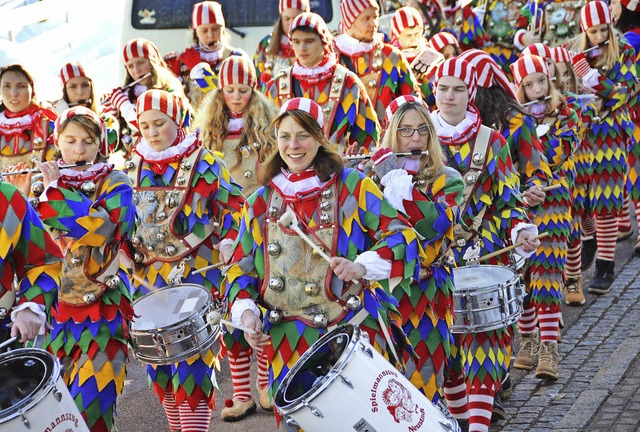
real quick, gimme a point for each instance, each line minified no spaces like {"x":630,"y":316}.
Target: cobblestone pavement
{"x":599,"y":370}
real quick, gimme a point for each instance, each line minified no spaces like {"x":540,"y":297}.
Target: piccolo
{"x":131,"y":84}
{"x":405,"y":154}
{"x":80,"y":102}
{"x":600,"y":45}
{"x":36,"y":170}
{"x":542,"y":99}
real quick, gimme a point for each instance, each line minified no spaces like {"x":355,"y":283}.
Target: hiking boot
{"x":589,"y":249}
{"x":601,"y":283}
{"x":264,"y":400}
{"x":624,"y":234}
{"x":498,"y":412}
{"x":547,"y":361}
{"x":235,"y":409}
{"x":507,"y":389}
{"x":528,"y":350}
{"x":574,"y":295}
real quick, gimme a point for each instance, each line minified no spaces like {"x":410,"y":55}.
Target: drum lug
{"x":291,"y":422}
{"x":314,"y":410}
{"x":57,"y":394}
{"x":25,"y":422}
{"x":346,"y":382}
{"x":365,"y":349}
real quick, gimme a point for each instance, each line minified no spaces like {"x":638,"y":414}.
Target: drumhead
{"x":481,"y":276}
{"x":24,"y":373}
{"x":168,"y":305}
{"x":317,"y":368}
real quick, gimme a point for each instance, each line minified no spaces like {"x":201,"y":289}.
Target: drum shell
{"x":50,"y":407}
{"x":176,"y":341}
{"x":350,"y":396}
{"x":487,"y":306}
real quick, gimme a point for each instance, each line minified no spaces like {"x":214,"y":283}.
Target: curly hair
{"x":212,"y":120}
{"x":495,"y":106}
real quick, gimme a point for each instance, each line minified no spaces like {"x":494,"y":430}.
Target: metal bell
{"x":377,"y":64}
{"x":138,"y":257}
{"x":478,"y":158}
{"x":338,"y":79}
{"x":470,"y":178}
{"x":3,"y":313}
{"x":129,"y":165}
{"x":88,"y":188}
{"x":353,"y":302}
{"x":248,"y":174}
{"x":422,"y":183}
{"x":320,"y":320}
{"x":372,"y":83}
{"x":186,"y":165}
{"x":89,"y":298}
{"x":245,"y":151}
{"x":256,"y":146}
{"x":325,"y":218}
{"x":181,"y":180}
{"x":76,"y":260}
{"x":170,"y":202}
{"x":274,"y":211}
{"x":311,"y":289}
{"x":171,"y":250}
{"x":151,"y":198}
{"x":150,"y":248}
{"x":136,"y":241}
{"x":274,"y":249}
{"x":268,"y":65}
{"x":327,"y":193}
{"x":283,"y":85}
{"x":37,"y":188}
{"x":325,"y":206}
{"x":276,"y":284}
{"x":37,"y":141}
{"x":326,"y":109}
{"x":161,"y":236}
{"x":274,"y":316}
{"x":161,"y":216}
{"x":112,"y":282}
{"x":461,"y":243}
{"x":335,"y":89}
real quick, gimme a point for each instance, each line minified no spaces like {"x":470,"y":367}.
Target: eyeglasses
{"x":408,"y":132}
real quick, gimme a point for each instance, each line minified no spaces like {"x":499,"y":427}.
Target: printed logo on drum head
{"x":363,"y":426}
{"x":397,"y":400}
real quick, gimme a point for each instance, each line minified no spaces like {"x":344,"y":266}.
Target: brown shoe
{"x":574,"y":294}
{"x":548,"y":361}
{"x":264,"y":400}
{"x":529,"y":345}
{"x":235,"y":409}
{"x":623,"y":235}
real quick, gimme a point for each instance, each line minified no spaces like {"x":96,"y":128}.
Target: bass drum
{"x":33,"y":396}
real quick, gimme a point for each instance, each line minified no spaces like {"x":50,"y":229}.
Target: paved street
{"x":598,"y":387}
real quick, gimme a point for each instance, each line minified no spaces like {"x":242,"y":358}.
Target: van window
{"x":172,"y":14}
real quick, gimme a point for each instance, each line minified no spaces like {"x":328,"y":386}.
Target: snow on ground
{"x":75,"y":30}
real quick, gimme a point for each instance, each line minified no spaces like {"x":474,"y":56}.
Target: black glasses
{"x":408,"y":132}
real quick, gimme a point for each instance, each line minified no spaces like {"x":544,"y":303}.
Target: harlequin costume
{"x":186,"y":203}
{"x":382,"y":68}
{"x":483,"y":159}
{"x":349,"y":116}
{"x":273,"y":267}
{"x":90,"y":213}
{"x":426,"y":307}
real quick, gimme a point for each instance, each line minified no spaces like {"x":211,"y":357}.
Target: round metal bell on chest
{"x":129,"y":165}
{"x":37,"y":188}
{"x":276,"y":284}
{"x":273,"y":211}
{"x":320,"y":320}
{"x":136,"y":241}
{"x":37,"y":141}
{"x":181,"y":181}
{"x":89,"y":298}
{"x":311,"y":289}
{"x":170,"y":202}
{"x":138,"y":257}
{"x":274,"y":249}
{"x":327,"y":193}
{"x":478,"y":158}
{"x":161,"y":236}
{"x":325,"y":206}
{"x":353,"y":302}
{"x":88,"y":188}
{"x":3,"y":313}
{"x":161,"y":216}
{"x":325,"y":218}
{"x":186,"y":165}
{"x":274,"y":316}
{"x":112,"y":282}
{"x":171,"y":250}
{"x":150,"y":248}
{"x":76,"y":260}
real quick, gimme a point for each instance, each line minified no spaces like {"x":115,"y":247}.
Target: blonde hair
{"x":552,"y":104}
{"x":431,"y":164}
{"x":213,"y":122}
{"x":610,"y":52}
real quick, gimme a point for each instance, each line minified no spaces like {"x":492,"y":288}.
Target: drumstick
{"x":204,"y":269}
{"x":9,"y":341}
{"x":552,"y":187}
{"x":144,"y":283}
{"x":509,"y":248}
{"x":215,"y":318}
{"x":131,"y":84}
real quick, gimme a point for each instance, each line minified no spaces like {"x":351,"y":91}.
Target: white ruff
{"x":10,"y":124}
{"x":211,"y":56}
{"x":314,"y":71}
{"x":445,"y":130}
{"x":151,"y":155}
{"x":295,"y":189}
{"x":351,"y":46}
{"x":236,"y":124}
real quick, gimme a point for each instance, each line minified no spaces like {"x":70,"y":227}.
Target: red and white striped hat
{"x":398,"y":102}
{"x":71,"y":70}
{"x":594,"y":13}
{"x":206,"y":12}
{"x":306,"y":105}
{"x":440,"y":40}
{"x":528,"y":65}
{"x":489,"y":73}
{"x":351,"y":9}
{"x":302,"y":5}
{"x":539,"y":49}
{"x":315,"y":22}
{"x":560,"y":55}
{"x":405,"y":17}
{"x":237,"y":70}
{"x":169,"y":103}
{"x":461,"y":69}
{"x":632,"y":5}
{"x":82,"y":111}
{"x":141,"y":48}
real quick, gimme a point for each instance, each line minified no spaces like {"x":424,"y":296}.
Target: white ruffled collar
{"x":328,"y":61}
{"x":8,"y":123}
{"x":294,"y":186}
{"x":351,"y":46}
{"x":138,"y":89}
{"x":445,"y":130}
{"x":236,"y":124}
{"x":212,"y":56}
{"x":150,"y":155}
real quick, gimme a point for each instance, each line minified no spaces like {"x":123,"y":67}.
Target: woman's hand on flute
{"x":21,"y":181}
{"x":251,"y":321}
{"x":49,"y":170}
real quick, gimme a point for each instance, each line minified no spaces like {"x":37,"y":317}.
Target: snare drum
{"x":172,"y":324}
{"x":33,"y":396}
{"x":343,"y":383}
{"x":486,"y":297}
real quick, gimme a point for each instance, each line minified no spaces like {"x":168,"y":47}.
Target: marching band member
{"x":609,"y":72}
{"x":480,"y":154}
{"x":275,"y":52}
{"x":199,"y":64}
{"x":545,"y":275}
{"x":626,"y":18}
{"x":364,"y":235}
{"x":145,"y":70}
{"x":446,"y":44}
{"x":89,"y":211}
{"x":406,"y":32}
{"x":350,"y":120}
{"x":236,"y":120}
{"x":432,"y":15}
{"x":185,"y":193}
{"x":429,"y":193}
{"x":382,"y":68}
{"x":26,"y":128}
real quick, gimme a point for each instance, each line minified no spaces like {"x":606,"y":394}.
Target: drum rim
{"x":514,"y":274}
{"x":43,"y":389}
{"x":324,"y":382}
{"x":170,"y":360}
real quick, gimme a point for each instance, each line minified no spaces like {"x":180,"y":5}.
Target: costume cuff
{"x":591,"y":79}
{"x":376,"y":267}
{"x":36,"y":309}
{"x":239,"y":307}
{"x":528,"y":228}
